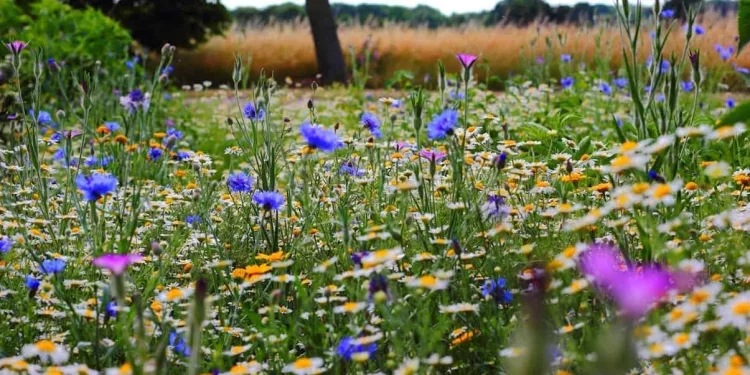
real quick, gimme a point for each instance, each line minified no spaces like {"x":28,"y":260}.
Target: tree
{"x":183,"y":23}
{"x":327,"y":47}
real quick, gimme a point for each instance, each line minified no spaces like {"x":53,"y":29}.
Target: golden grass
{"x":287,"y":49}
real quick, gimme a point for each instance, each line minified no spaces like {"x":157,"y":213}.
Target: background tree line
{"x":509,"y":11}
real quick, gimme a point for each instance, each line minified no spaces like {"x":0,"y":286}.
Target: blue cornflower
{"x":52,"y":266}
{"x":567,"y":82}
{"x":456,"y":95}
{"x":168,"y":70}
{"x":179,"y":344}
{"x":378,"y":283}
{"x":56,"y":138}
{"x":659,"y":97}
{"x":91,"y":161}
{"x":96,"y":186}
{"x":357,"y":258}
{"x":605,"y":88}
{"x":371,"y":122}
{"x":655,"y":176}
{"x":111,"y":309}
{"x":251,"y":113}
{"x":621,"y":83}
{"x":135,"y":100}
{"x":667,"y":13}
{"x":43,"y":118}
{"x":173,"y":132}
{"x":349,"y":346}
{"x":699,"y":30}
{"x":566,"y":58}
{"x":112,"y":126}
{"x":239,"y":182}
{"x":688,"y":86}
{"x":351,"y":169}
{"x":269,"y":200}
{"x":155,"y":153}
{"x":31,"y":283}
{"x":183,"y":155}
{"x":665,"y":65}
{"x":193,"y":219}
{"x":442,"y":125}
{"x":318,"y":137}
{"x":5,"y":244}
{"x":130,"y":64}
{"x":496,"y":290}
{"x":724,"y":53}
{"x":730,"y":103}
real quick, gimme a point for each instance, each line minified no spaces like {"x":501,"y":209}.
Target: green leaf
{"x":740,"y":113}
{"x":743,"y":24}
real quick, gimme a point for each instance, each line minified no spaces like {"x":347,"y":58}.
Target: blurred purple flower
{"x":116,"y":263}
{"x":466,"y":60}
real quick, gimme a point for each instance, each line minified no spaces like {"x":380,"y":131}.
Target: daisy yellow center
{"x":569,"y":252}
{"x":428,"y":280}
{"x":621,"y":161}
{"x":350,"y":306}
{"x":681,"y":338}
{"x":662,"y":191}
{"x":174,"y":294}
{"x":741,"y":308}
{"x":699,"y":296}
{"x":303,"y":363}
{"x":45,"y":346}
{"x":627,"y":146}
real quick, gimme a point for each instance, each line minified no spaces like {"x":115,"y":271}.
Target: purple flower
{"x":497,"y":290}
{"x":136,"y":100}
{"x":15,"y":47}
{"x":602,"y":263}
{"x":566,"y":58}
{"x":432,"y":155}
{"x":96,"y":186}
{"x":605,"y":88}
{"x":621,"y":83}
{"x":634,"y":289}
{"x":688,"y":86}
{"x":5,"y":244}
{"x":239,"y":182}
{"x":567,"y":82}
{"x":372,"y":123}
{"x":467,"y":60}
{"x":251,"y":113}
{"x":635,"y":292}
{"x":155,"y":153}
{"x":320,"y":138}
{"x":351,"y":169}
{"x":116,"y":263}
{"x":269,"y":200}
{"x":443,"y":124}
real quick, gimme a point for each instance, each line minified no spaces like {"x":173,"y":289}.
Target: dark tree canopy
{"x":182,"y":23}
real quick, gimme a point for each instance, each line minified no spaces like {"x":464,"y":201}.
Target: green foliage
{"x":743,"y":24}
{"x":12,"y":19}
{"x":153,"y":23}
{"x":65,"y":34}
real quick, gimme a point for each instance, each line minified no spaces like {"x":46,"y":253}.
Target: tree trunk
{"x":327,"y":47}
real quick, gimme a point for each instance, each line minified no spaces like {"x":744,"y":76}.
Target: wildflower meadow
{"x":594,"y":223}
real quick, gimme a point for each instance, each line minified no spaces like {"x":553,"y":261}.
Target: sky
{"x":446,"y":6}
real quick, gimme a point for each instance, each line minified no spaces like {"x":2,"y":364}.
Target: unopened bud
{"x":165,"y":48}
